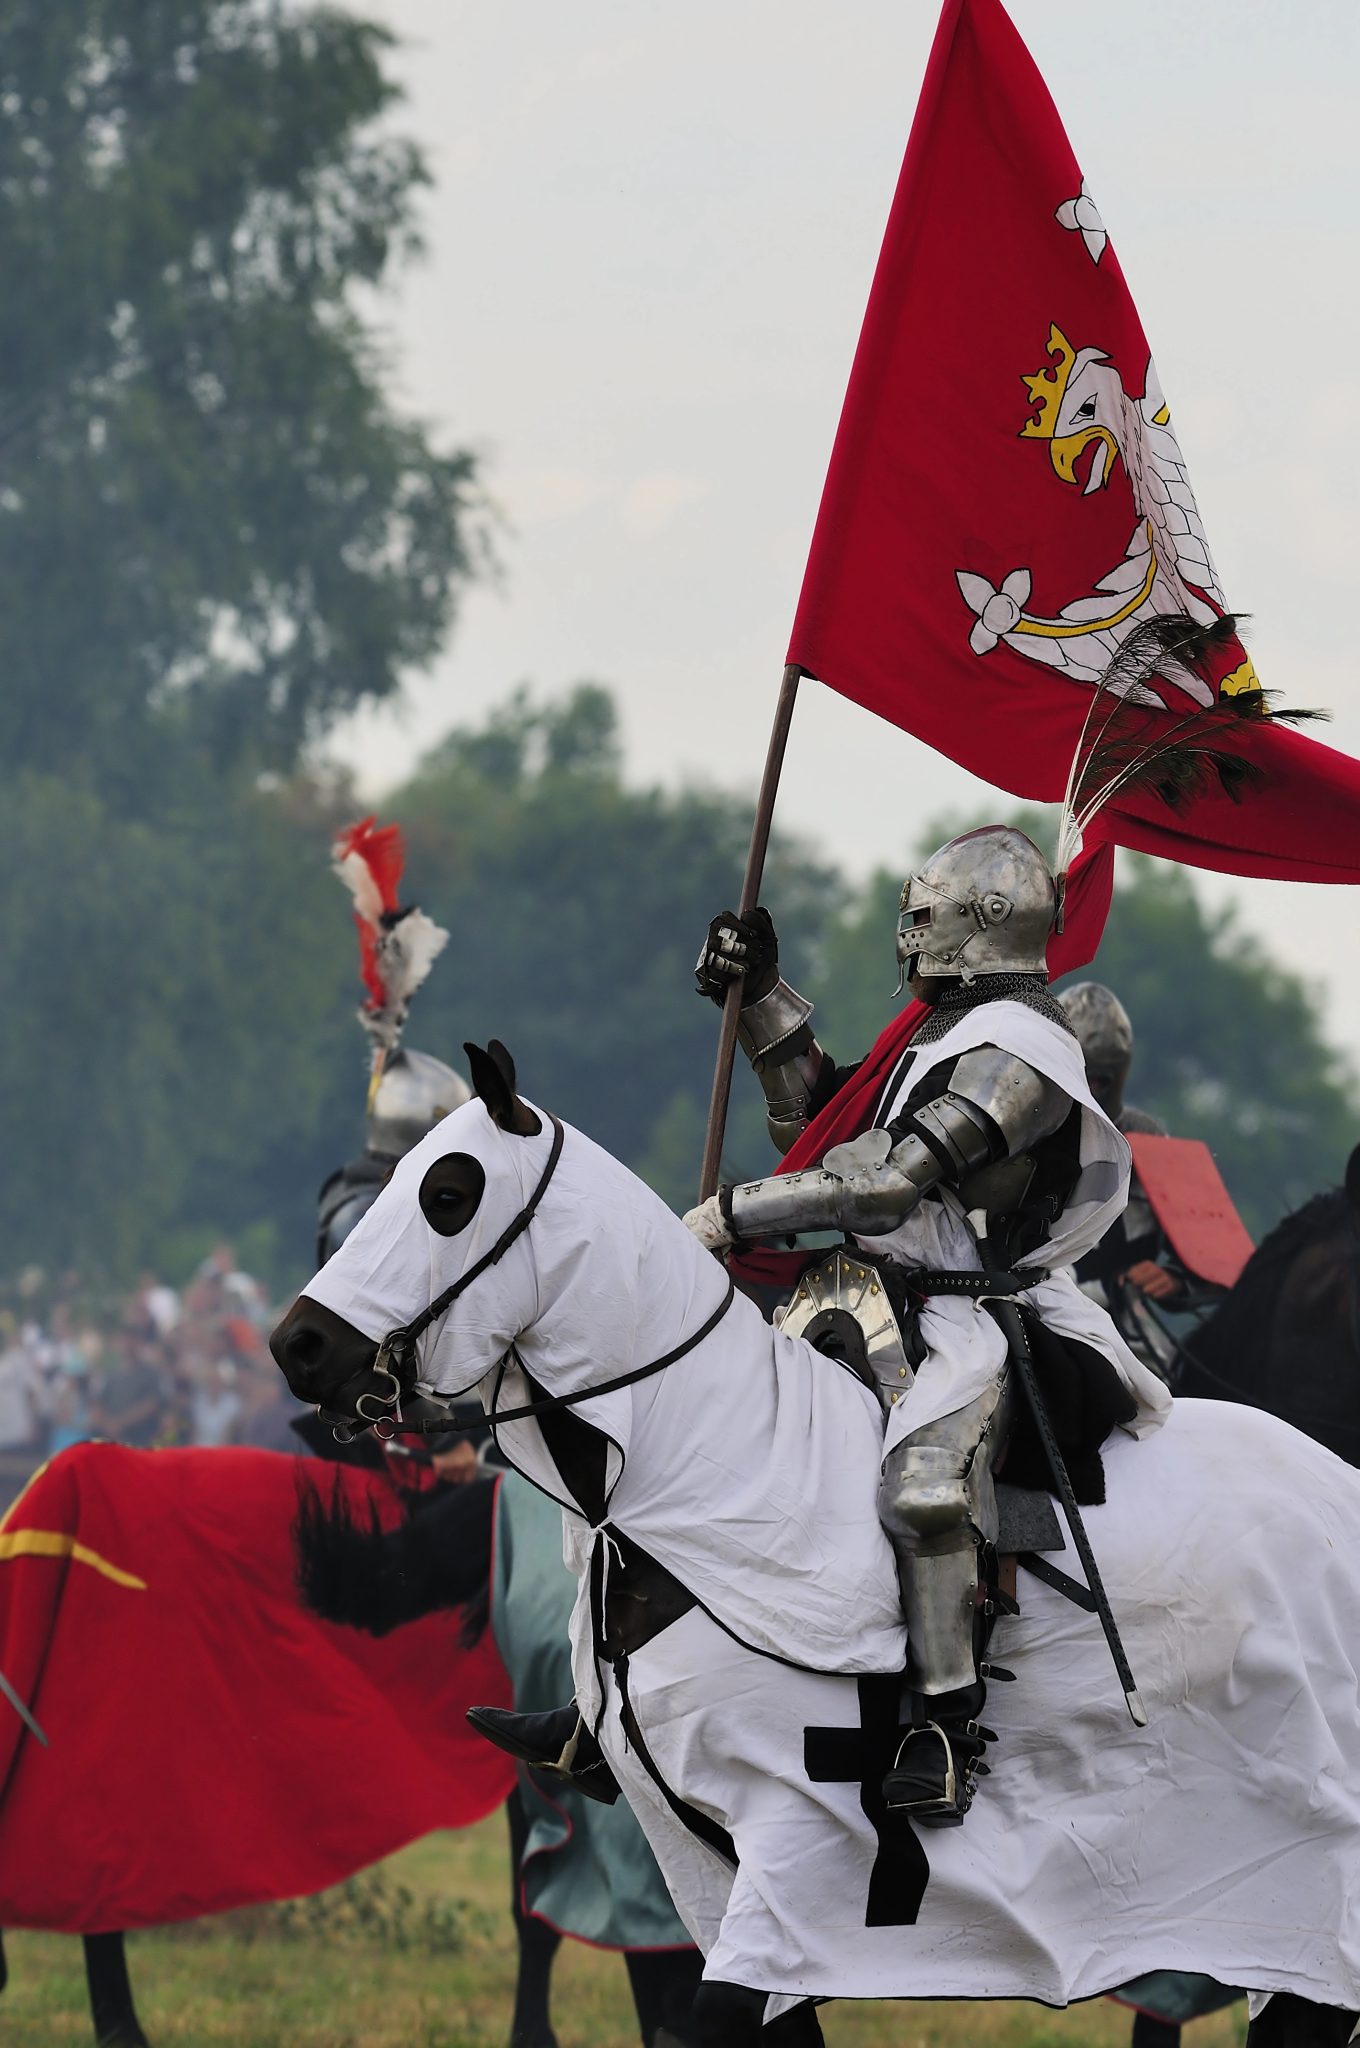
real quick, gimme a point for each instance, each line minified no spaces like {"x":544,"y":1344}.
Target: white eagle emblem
{"x":1080,"y":409}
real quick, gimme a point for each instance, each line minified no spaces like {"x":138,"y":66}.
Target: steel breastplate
{"x":841,"y":1307}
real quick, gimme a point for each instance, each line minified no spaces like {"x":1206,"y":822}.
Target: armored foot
{"x":934,"y":1773}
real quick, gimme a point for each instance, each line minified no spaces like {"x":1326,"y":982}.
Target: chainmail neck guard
{"x":1029,"y":989}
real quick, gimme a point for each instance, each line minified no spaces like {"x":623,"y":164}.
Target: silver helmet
{"x":1105,"y":1034}
{"x":984,"y":904}
{"x":414,"y":1093}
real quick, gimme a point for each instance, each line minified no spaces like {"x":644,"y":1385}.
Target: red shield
{"x":1192,"y":1205}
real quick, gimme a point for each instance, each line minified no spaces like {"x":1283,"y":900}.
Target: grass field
{"x":422,"y":1956}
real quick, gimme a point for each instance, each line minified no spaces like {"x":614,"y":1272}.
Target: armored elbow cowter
{"x":865,"y":1188}
{"x":995,"y":1107}
{"x":775,"y":1034}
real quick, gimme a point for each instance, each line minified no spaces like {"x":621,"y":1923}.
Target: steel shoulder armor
{"x":994,"y":1108}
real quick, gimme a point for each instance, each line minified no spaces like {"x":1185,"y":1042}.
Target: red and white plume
{"x":397,"y":947}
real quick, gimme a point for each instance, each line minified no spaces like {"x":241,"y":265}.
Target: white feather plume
{"x":357,"y":876}
{"x":407,"y":949}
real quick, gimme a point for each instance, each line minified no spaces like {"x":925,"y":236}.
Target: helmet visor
{"x":913,"y":925}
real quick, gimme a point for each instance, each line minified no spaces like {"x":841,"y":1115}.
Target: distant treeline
{"x":180,"y":1060}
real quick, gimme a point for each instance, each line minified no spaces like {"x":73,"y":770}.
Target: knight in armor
{"x":1134,"y":1264}
{"x":409,"y":1092}
{"x":414,"y":1092}
{"x":988,"y":1168}
{"x":986,"y":1139}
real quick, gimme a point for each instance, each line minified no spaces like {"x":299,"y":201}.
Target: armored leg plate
{"x":940,"y":1598}
{"x":937,"y":1502}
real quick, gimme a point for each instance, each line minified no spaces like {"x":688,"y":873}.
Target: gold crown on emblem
{"x":1046,"y":388}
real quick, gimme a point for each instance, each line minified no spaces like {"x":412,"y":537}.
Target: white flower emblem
{"x":1082,"y":216}
{"x":998,"y":610}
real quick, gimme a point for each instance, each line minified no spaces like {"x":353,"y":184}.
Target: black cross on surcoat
{"x":839,"y":1756}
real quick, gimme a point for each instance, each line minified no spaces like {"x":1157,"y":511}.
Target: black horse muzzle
{"x":325,"y":1360}
{"x":352,"y":1379}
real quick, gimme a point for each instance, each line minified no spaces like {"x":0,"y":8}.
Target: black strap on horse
{"x":396,"y":1357}
{"x":1004,"y":1310}
{"x":495,"y":1416}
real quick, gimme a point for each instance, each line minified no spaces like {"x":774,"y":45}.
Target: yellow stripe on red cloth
{"x":12,"y":1510}
{"x":57,"y":1543}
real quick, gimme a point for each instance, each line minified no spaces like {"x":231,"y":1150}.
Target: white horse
{"x":749,"y":1712}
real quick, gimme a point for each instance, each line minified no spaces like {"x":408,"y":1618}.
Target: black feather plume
{"x":1126,"y":742}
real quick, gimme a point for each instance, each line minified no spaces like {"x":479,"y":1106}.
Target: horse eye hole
{"x":451,"y":1192}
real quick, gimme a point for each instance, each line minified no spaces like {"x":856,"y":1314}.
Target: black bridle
{"x":397,"y":1360}
{"x":398,"y":1364}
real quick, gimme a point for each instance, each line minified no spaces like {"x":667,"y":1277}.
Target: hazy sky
{"x":650,"y":244}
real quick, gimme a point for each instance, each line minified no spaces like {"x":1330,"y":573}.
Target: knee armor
{"x":937,"y":1503}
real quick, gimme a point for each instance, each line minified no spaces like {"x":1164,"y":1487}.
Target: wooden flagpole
{"x":750,"y":891}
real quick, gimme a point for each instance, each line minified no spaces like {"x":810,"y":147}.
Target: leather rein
{"x":397,"y":1362}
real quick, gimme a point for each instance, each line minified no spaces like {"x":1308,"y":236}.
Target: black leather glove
{"x":739,"y":948}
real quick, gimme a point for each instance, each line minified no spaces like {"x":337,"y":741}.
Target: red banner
{"x":1007,"y":498}
{"x":212,"y":1744}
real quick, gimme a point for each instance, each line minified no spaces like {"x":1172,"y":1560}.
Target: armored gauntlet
{"x":773,"y":1027}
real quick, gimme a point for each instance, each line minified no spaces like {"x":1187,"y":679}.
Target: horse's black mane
{"x":353,"y":1570}
{"x":1233,"y":1330}
{"x":1318,"y":1214}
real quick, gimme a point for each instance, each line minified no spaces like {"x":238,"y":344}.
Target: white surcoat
{"x":964,"y":1347}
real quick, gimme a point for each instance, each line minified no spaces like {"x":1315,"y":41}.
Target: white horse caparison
{"x":751,"y":1732}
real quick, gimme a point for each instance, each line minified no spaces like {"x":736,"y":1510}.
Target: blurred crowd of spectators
{"x":161,"y":1366}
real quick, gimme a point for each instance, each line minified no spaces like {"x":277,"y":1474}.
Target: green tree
{"x":180,"y":1058}
{"x":577,"y":906}
{"x":215,"y":531}
{"x":176,"y":1022}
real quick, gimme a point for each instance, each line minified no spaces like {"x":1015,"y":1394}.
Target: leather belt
{"x":925,"y":1280}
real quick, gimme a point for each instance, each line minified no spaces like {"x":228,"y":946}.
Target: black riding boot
{"x":932,"y":1777}
{"x":558,"y":1742}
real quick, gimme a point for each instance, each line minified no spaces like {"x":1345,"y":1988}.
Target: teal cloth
{"x":1175,"y":1996}
{"x":587,"y":1869}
